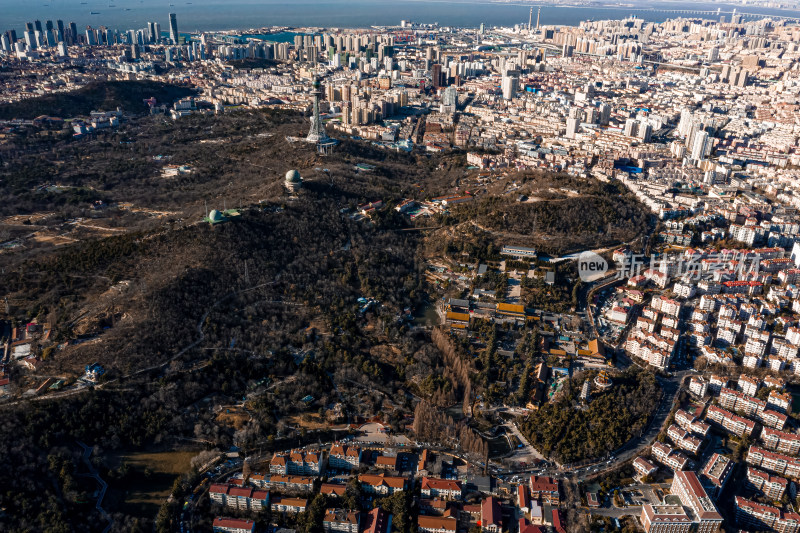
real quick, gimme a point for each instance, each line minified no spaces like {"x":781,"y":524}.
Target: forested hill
{"x":274,"y":292}
{"x":593,"y":215}
{"x":96,"y":96}
{"x":294,"y":305}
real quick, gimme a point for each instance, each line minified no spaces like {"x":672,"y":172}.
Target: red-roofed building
{"x":523,"y":498}
{"x":288,"y":505}
{"x":386,"y":462}
{"x":491,"y":516}
{"x":784,"y":465}
{"x":665,"y":519}
{"x":715,"y":474}
{"x":285,"y":483}
{"x":437,"y":524}
{"x":735,"y":424}
{"x":340,"y":521}
{"x":780,"y":441}
{"x":344,"y":457}
{"x":382,"y":484}
{"x":424,"y":457}
{"x":333,"y":490}
{"x":644,"y":467}
{"x":218,"y":493}
{"x":772,"y":486}
{"x":296,"y":462}
{"x":377,"y":521}
{"x":687,"y":487}
{"x":244,"y":498}
{"x":527,"y":527}
{"x":591,"y":499}
{"x":441,"y":488}
{"x":545,"y":489}
{"x":558,"y":522}
{"x":239,"y":497}
{"x":754,"y":515}
{"x":233,"y":525}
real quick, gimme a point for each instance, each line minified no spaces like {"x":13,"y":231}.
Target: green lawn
{"x":148,"y":482}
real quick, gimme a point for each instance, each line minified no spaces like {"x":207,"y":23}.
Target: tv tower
{"x":316,"y":134}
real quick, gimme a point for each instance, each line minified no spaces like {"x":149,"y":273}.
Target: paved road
{"x":527,"y":453}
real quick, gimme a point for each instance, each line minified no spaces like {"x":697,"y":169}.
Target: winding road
{"x":87,"y":453}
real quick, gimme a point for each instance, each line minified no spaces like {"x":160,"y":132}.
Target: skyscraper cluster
{"x":58,"y":35}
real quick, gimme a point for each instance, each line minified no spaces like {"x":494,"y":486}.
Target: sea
{"x":217,"y":15}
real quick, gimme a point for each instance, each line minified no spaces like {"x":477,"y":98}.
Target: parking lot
{"x":640,"y":495}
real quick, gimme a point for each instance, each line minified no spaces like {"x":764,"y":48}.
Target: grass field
{"x":149,"y":481}
{"x":314,"y":422}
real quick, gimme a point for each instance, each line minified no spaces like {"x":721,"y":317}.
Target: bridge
{"x":693,"y":12}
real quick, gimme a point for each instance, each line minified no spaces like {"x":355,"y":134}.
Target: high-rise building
{"x":700,"y":145}
{"x":37,"y":25}
{"x":741,"y":78}
{"x":687,"y":487}
{"x":91,"y":39}
{"x":692,"y":127}
{"x":645,"y":131}
{"x":49,"y":34}
{"x":30,"y":40}
{"x":510,"y":86}
{"x":73,"y":33}
{"x":605,"y":114}
{"x":60,"y":26}
{"x":631,"y":127}
{"x":173,"y":28}
{"x":436,"y":75}
{"x":50,"y":37}
{"x":572,"y":127}
{"x":449,"y":100}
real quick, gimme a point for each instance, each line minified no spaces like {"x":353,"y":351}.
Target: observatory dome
{"x":293,"y":176}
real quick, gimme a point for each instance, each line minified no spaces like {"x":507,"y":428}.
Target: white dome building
{"x":293,"y":181}
{"x":215,"y":217}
